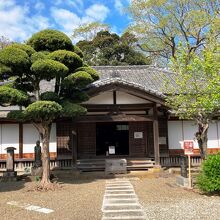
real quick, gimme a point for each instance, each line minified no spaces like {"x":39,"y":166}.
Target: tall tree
{"x":161,"y":24}
{"x":4,"y":41}
{"x":109,"y":49}
{"x":196,"y":95}
{"x":89,"y":31}
{"x":48,"y":55}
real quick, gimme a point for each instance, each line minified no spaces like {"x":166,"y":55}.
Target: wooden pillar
{"x":156,"y":137}
{"x":74,"y":143}
{"x":20,"y":140}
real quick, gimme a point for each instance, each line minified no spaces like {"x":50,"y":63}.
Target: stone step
{"x":120,"y":201}
{"x":122,"y":196}
{"x":125,"y":218}
{"x":123,"y":213}
{"x":122,"y":206}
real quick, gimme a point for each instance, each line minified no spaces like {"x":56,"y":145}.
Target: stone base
{"x":115,"y":166}
{"x":37,"y":171}
{"x":182,"y":181}
{"x":9,"y":176}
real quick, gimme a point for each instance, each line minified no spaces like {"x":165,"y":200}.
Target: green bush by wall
{"x":209,"y":178}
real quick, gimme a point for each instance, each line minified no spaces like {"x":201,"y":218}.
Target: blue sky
{"x":19,"y":19}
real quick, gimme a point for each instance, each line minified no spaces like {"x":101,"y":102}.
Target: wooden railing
{"x":174,"y":161}
{"x":22,"y":165}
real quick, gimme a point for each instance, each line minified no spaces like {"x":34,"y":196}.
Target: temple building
{"x":126,"y":118}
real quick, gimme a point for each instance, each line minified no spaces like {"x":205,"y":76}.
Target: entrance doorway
{"x":112,"y":134}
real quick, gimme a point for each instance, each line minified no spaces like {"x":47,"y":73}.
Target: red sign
{"x":188,"y":147}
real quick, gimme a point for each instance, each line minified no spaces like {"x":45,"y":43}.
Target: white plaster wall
{"x":103,"y":98}
{"x":175,"y":136}
{"x":9,"y":137}
{"x":1,"y":148}
{"x":218,"y":133}
{"x":185,"y":130}
{"x":189,"y":130}
{"x":125,"y":98}
{"x":213,"y":141}
{"x":31,"y":135}
{"x":53,"y":138}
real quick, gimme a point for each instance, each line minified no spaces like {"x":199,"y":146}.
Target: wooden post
{"x":20,"y":140}
{"x":156,"y":137}
{"x":190,"y":178}
{"x":74,"y":144}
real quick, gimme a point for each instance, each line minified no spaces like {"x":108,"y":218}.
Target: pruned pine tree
{"x":48,"y":55}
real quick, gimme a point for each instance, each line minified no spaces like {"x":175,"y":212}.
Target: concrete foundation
{"x":182,"y":181}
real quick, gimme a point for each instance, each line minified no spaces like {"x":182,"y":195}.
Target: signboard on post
{"x":188,"y":150}
{"x":188,"y":147}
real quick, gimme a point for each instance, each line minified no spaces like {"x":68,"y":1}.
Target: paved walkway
{"x":121,"y":202}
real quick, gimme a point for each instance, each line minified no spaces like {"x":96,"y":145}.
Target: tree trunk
{"x":44,"y":130}
{"x":202,"y":138}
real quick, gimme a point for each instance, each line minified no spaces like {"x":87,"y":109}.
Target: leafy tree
{"x":161,"y":24}
{"x":47,"y":55}
{"x":109,"y":49}
{"x":196,"y":94}
{"x":4,"y":42}
{"x":89,"y":31}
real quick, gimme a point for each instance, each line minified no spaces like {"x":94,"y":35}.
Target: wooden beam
{"x":156,"y":137}
{"x":112,"y":118}
{"x":117,"y":107}
{"x":20,"y":140}
{"x":128,"y":89}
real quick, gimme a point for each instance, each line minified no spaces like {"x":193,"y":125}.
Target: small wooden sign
{"x":188,"y":147}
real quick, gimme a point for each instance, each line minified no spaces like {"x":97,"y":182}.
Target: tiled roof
{"x":146,"y":78}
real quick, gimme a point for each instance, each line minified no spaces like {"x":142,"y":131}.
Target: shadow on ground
{"x":6,"y":185}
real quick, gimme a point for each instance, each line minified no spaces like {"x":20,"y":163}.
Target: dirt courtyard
{"x":81,"y":197}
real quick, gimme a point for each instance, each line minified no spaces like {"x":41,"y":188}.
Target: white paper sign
{"x":111,"y":149}
{"x":138,"y":135}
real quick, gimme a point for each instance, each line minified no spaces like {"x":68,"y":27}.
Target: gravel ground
{"x":81,"y":198}
{"x":77,"y":199}
{"x":162,"y":199}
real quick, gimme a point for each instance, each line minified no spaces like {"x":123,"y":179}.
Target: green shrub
{"x":48,"y":69}
{"x":78,"y":80}
{"x":90,"y":71}
{"x":15,"y":58}
{"x":43,"y":111}
{"x":50,"y":40}
{"x":209,"y":178}
{"x":26,"y":48}
{"x":68,"y":58}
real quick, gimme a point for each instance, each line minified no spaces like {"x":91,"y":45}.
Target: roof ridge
{"x":133,"y":67}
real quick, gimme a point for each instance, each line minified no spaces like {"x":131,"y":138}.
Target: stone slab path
{"x":121,"y":202}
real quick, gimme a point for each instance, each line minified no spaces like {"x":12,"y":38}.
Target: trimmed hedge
{"x":68,"y":58}
{"x":209,"y":178}
{"x":50,"y":40}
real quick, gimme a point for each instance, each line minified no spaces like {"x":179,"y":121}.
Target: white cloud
{"x":16,"y":23}
{"x":119,"y":6}
{"x":39,"y":6}
{"x":4,"y":4}
{"x":77,"y":4}
{"x":97,"y":12}
{"x":68,"y":20}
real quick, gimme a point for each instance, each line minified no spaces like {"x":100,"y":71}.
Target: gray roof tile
{"x":146,"y":78}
